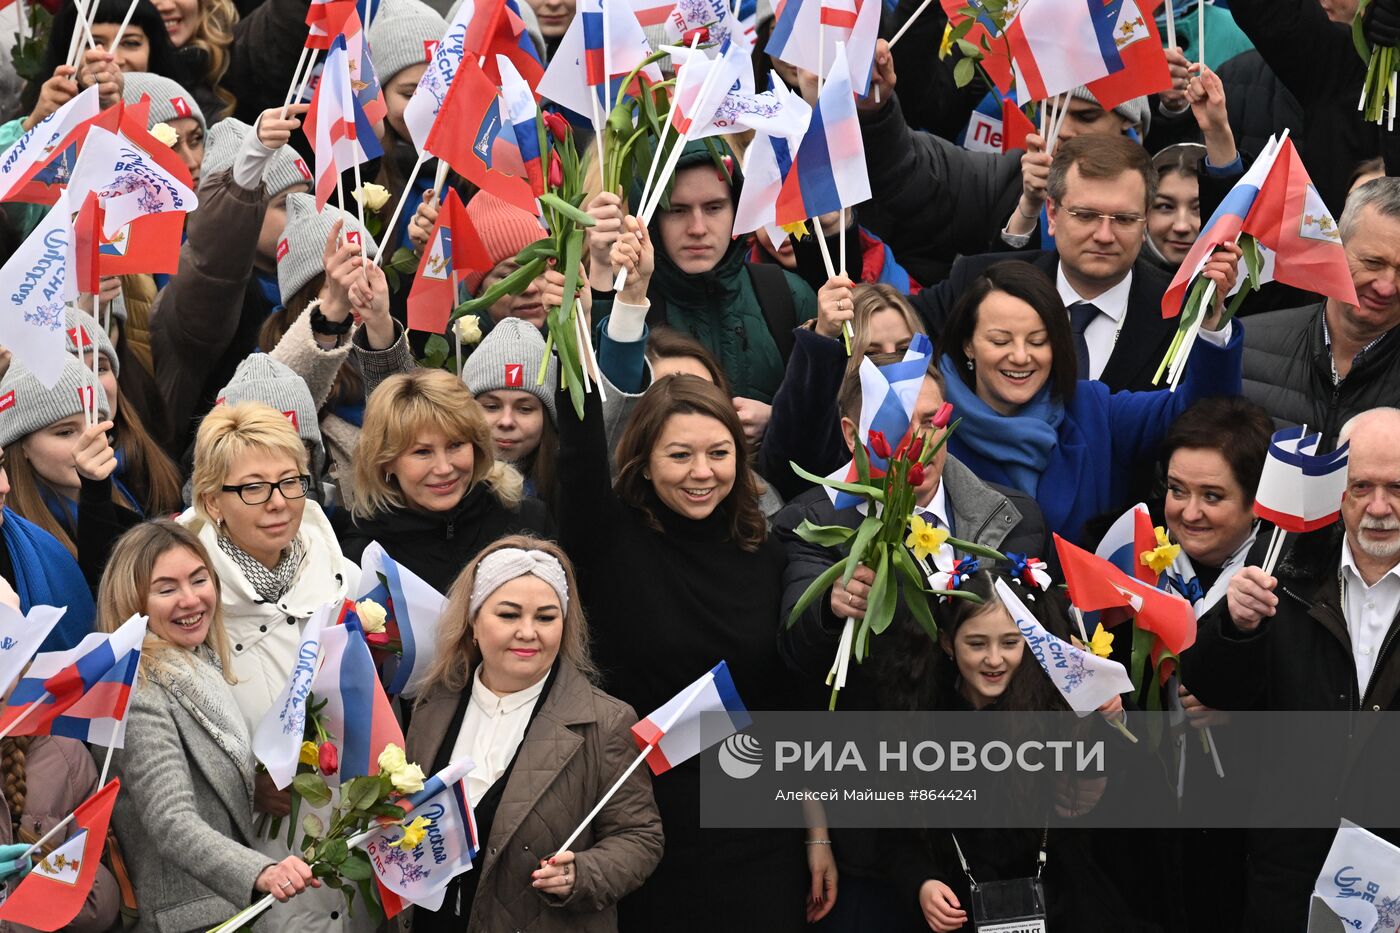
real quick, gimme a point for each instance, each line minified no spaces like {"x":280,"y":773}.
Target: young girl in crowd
{"x":184,"y":812}
{"x":428,"y":485}
{"x":511,"y":688}
{"x":1174,"y":218}
{"x":145,"y":46}
{"x":702,"y":583}
{"x":61,"y":468}
{"x":501,"y":374}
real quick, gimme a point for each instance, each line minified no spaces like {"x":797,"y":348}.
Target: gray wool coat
{"x":578,"y":744}
{"x":184,"y":816}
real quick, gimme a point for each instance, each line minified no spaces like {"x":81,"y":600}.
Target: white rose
{"x":372,"y":616}
{"x":372,"y":196}
{"x":408,"y":779}
{"x":469,"y":329}
{"x":165,"y":133}
{"x":391,"y":759}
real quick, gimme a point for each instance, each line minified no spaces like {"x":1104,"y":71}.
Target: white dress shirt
{"x":1102,"y":333}
{"x":492,"y":730}
{"x":1369,"y":611}
{"x":937,"y":512}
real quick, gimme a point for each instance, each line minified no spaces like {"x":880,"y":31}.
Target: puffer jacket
{"x":572,"y":752}
{"x":1288,"y":370}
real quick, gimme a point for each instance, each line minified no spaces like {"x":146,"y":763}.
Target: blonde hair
{"x":870,"y":299}
{"x":228,"y":433}
{"x":403,"y":407}
{"x":214,"y":36}
{"x":126,"y":585}
{"x":457,"y":652}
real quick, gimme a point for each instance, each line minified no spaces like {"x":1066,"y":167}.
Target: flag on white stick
{"x":675,"y":730}
{"x":277,"y":740}
{"x":35,"y":285}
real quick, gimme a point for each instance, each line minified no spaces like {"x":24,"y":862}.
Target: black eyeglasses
{"x":293,"y":487}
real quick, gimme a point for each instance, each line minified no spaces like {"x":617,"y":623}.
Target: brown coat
{"x":59,"y":775}
{"x":577,"y":746}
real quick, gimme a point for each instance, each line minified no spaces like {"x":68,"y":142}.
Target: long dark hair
{"x":162,"y":58}
{"x":688,"y":395}
{"x":1024,"y":281}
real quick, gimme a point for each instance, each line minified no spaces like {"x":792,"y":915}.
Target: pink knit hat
{"x":504,"y":230}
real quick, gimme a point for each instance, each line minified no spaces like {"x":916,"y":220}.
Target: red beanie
{"x":504,"y":230}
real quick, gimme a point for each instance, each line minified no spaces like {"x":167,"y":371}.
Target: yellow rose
{"x":469,"y":329}
{"x":372,"y":196}
{"x":165,"y":133}
{"x":408,"y":779}
{"x":372,"y":616}
{"x":413,"y":833}
{"x":391,"y":759}
{"x":924,"y":538}
{"x":310,"y":755}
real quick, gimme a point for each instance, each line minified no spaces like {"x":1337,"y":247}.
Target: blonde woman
{"x":428,"y":486}
{"x":806,"y":427}
{"x":512,"y":689}
{"x":185,"y":814}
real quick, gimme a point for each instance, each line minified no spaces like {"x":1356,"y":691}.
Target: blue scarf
{"x":47,"y":575}
{"x":65,"y":511}
{"x":269,"y":290}
{"x":1019,"y":443}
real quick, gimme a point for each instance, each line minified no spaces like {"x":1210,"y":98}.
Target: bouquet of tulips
{"x":883,"y":541}
{"x":563,"y":248}
{"x":330,"y":844}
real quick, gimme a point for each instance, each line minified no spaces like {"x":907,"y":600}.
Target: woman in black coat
{"x":677,"y":573}
{"x":428,"y":487}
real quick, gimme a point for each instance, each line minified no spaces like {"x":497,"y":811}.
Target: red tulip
{"x":945,"y":415}
{"x":917,"y":447}
{"x":916,"y":474}
{"x":556,"y":170}
{"x":329,"y":760}
{"x":557,"y":125}
{"x":879,"y":445}
{"x":378,"y":639}
{"x":698,"y":36}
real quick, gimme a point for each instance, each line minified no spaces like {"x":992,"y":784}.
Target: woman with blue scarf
{"x":65,"y":508}
{"x":1028,"y":422}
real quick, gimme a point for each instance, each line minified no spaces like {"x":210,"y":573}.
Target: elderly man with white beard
{"x":1320,"y":635}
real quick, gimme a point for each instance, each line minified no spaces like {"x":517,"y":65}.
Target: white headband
{"x":500,"y":567}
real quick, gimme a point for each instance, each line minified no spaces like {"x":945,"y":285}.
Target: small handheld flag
{"x":38,"y":164}
{"x":674,"y":732}
{"x":37,"y":281}
{"x":414,"y":611}
{"x":357,"y":711}
{"x":21,"y":636}
{"x":278,"y":737}
{"x":1057,"y":45}
{"x":454,"y":249}
{"x":1301,"y":490}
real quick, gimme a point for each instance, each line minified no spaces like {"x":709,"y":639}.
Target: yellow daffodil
{"x":1161,"y":556}
{"x":165,"y":133}
{"x":413,"y":833}
{"x":310,"y":755}
{"x":469,"y":329}
{"x":924,"y":539}
{"x":391,"y":759}
{"x":408,"y":779}
{"x":372,"y":196}
{"x":945,"y":48}
{"x":372,"y":616}
{"x":795,"y":230}
{"x":1102,"y":641}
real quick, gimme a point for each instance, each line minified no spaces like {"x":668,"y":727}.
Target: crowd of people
{"x":263,"y":415}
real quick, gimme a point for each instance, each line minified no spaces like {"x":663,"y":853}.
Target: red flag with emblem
{"x":453,"y":250}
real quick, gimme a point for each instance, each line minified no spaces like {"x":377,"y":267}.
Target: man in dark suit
{"x":1100,"y":189}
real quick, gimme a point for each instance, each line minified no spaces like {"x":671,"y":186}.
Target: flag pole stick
{"x":1201,"y":32}
{"x":24,"y":715}
{"x":245,"y":915}
{"x":80,"y":8}
{"x":96,"y":383}
{"x":296,"y":74}
{"x":53,"y":831}
{"x":841,"y":243}
{"x":586,"y":339}
{"x":106,"y":764}
{"x":617,"y":785}
{"x":910,"y":21}
{"x":306,"y":78}
{"x":126,"y":21}
{"x":1171,"y":26}
{"x":398,"y":208}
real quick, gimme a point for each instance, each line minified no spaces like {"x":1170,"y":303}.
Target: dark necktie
{"x":1080,"y":314}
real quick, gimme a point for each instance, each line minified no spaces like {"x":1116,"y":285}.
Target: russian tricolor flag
{"x":81,"y":693}
{"x":828,"y":172}
{"x":357,"y":711}
{"x":1301,"y":490}
{"x":521,"y":112}
{"x":678,"y":730}
{"x":1057,"y":45}
{"x":601,"y":47}
{"x":807,"y":33}
{"x":414,"y":610}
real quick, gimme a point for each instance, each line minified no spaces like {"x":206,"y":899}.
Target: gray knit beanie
{"x":300,"y":254}
{"x":509,"y":358}
{"x":169,"y":100}
{"x":79,"y":325}
{"x":404,"y":39}
{"x":284,"y":169}
{"x":26,"y":406}
{"x":260,"y":378}
{"x":1135,"y":111}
